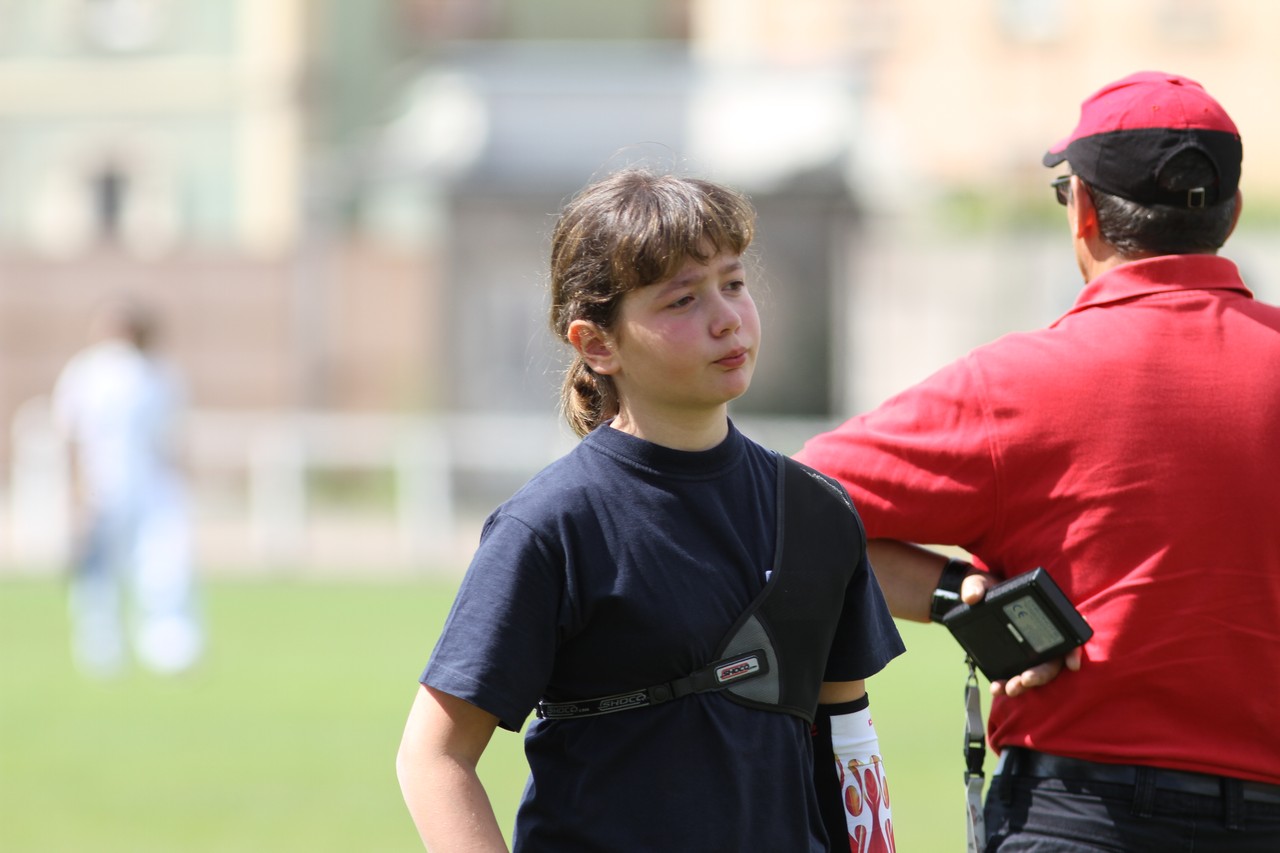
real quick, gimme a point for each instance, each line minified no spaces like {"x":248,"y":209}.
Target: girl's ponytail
{"x":586,"y":398}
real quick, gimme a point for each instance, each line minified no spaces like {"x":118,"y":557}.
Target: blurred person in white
{"x":119,"y":405}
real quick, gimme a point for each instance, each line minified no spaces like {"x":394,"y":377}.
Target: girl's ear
{"x":594,"y":345}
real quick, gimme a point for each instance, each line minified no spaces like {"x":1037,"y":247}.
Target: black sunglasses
{"x":1061,"y":188}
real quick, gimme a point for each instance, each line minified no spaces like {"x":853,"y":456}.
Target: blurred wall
{"x":230,"y":324}
{"x":344,"y":206}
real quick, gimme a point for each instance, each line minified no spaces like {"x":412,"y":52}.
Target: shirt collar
{"x":667,"y":461}
{"x":1164,"y":274}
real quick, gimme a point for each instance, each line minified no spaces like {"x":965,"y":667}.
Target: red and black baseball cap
{"x":1130,"y":129}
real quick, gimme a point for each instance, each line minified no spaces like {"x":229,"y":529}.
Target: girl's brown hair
{"x":631,"y":229}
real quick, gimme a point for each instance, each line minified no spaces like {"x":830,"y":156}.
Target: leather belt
{"x":1016,"y":761}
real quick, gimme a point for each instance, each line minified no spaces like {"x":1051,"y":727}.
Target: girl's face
{"x":681,"y":349}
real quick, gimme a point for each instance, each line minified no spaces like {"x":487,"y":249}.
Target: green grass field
{"x":284,"y":739}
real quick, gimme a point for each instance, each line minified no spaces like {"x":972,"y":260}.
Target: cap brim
{"x":1057,"y":152}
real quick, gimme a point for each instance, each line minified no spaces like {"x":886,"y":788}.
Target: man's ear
{"x":594,"y":345}
{"x":1084,"y":218}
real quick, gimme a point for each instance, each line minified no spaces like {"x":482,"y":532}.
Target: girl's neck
{"x":700,"y":433}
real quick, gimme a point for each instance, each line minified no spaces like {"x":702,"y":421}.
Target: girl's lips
{"x":736,"y":360}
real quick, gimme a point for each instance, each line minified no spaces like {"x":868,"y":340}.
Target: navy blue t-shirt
{"x":623,"y":565}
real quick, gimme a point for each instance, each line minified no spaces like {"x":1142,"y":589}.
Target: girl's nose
{"x":726,"y":319}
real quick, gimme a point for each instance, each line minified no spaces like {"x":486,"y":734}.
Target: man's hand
{"x":1037,"y":676}
{"x":972,"y":591}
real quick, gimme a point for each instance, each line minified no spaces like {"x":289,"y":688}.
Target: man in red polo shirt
{"x":1132,"y":450}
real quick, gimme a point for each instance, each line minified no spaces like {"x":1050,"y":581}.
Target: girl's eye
{"x":736,"y":285}
{"x":682,"y":301}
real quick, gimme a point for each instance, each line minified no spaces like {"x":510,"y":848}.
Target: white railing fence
{"x":253,"y":474}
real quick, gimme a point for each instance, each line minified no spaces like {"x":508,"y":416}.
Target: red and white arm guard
{"x":863,"y":788}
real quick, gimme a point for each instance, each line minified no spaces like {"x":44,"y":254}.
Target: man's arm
{"x":908,"y":574}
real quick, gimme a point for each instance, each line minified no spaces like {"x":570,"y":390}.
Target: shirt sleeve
{"x":866,"y":637}
{"x":497,"y":647}
{"x":920,"y":467}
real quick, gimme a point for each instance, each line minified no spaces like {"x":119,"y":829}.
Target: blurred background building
{"x":342,"y":210}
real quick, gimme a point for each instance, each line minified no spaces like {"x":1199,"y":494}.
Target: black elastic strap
{"x":714,"y":676}
{"x":860,"y":704}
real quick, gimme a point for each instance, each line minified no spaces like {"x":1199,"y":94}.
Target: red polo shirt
{"x":1132,"y":449}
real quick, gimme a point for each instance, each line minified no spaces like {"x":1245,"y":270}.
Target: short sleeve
{"x":497,"y":647}
{"x":866,"y":637}
{"x":922,"y":466}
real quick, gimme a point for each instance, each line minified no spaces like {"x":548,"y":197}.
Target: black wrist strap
{"x":946,"y":594}
{"x":860,"y":704}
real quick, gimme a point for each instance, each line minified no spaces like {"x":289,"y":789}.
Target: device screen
{"x":1028,"y":619}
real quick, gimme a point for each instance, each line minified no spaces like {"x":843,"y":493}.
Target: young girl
{"x":603,"y":590}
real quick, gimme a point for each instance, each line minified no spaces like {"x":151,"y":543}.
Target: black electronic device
{"x":1021,"y":622}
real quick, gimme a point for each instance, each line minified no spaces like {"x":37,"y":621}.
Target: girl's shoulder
{"x":574,"y":482}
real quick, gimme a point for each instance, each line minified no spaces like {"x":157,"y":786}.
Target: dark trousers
{"x":1044,"y":804}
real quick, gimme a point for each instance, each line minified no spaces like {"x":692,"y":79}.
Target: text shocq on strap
{"x":774,"y":655}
